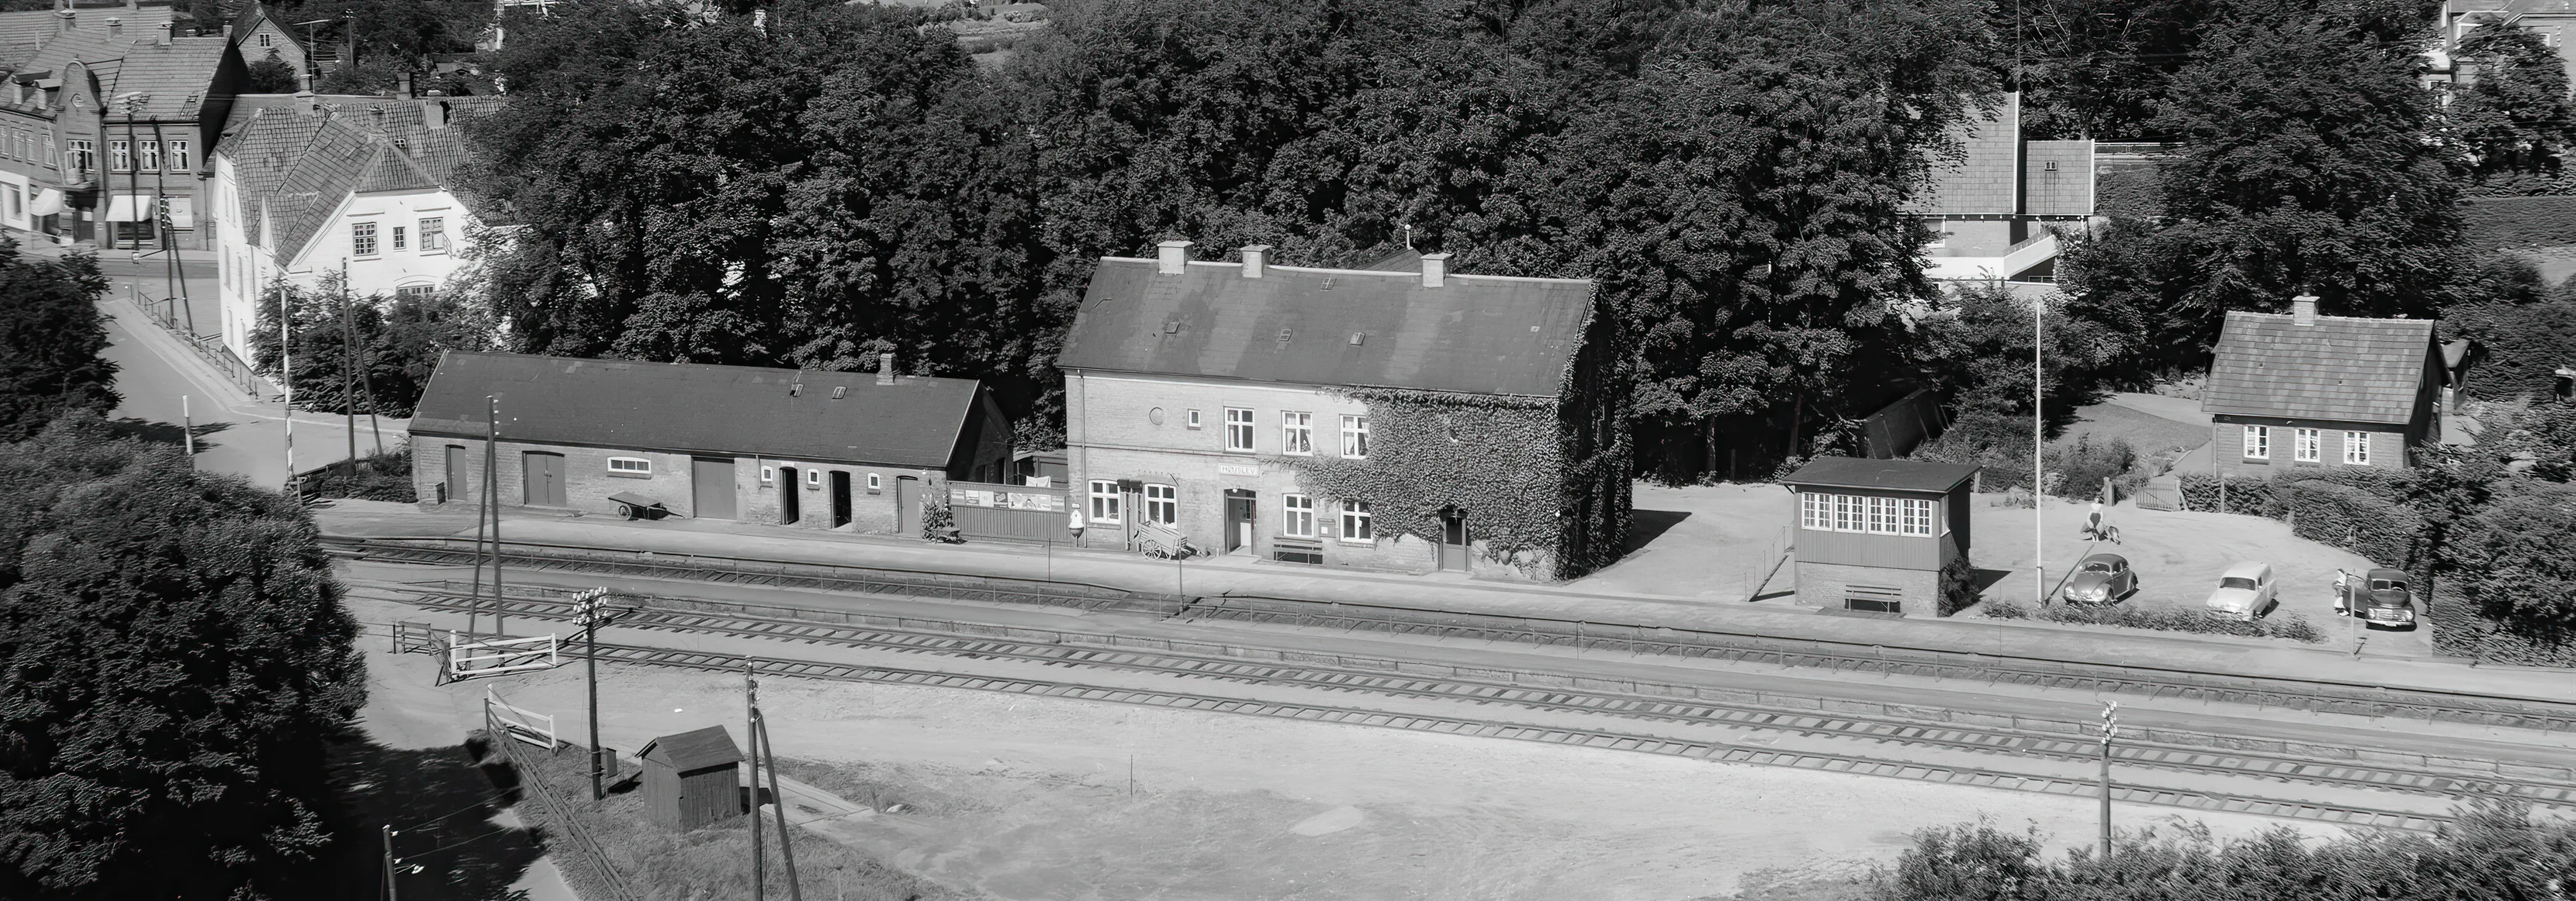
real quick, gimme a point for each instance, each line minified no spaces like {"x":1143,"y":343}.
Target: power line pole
{"x":349,"y":371}
{"x":286,"y":376}
{"x":778,"y":794}
{"x":751,"y":730}
{"x":391,"y":892}
{"x":492,"y":497}
{"x":2110,"y":728}
{"x":588,"y":605}
{"x":169,"y":241}
{"x":2038,"y":461}
{"x":188,"y":427}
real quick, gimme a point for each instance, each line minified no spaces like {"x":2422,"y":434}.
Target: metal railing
{"x":165,"y":311}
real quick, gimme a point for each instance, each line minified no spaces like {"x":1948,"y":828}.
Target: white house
{"x":310,"y":185}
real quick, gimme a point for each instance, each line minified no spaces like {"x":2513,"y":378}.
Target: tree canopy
{"x":173,"y":655}
{"x":51,"y":334}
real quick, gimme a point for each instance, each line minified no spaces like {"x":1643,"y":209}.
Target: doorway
{"x":907,"y":504}
{"x":1238,"y":521}
{"x":840,"y":499}
{"x":456,"y":474}
{"x":1453,"y":539}
{"x":541,"y":477}
{"x":790,"y":508}
{"x":711,"y":484}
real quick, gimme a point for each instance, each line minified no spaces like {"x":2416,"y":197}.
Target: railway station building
{"x":1872,"y":536}
{"x":841,"y":451}
{"x":1399,"y":417}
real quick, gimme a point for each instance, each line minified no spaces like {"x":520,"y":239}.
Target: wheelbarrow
{"x":1163,"y":542}
{"x":636,"y":506}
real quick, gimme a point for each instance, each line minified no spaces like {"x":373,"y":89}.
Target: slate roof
{"x":305,"y":164}
{"x":2067,"y":189}
{"x":1477,"y":334}
{"x":701,"y":408}
{"x":696,"y":749}
{"x":2340,"y":369}
{"x":1883,"y":475}
{"x":174,"y":77}
{"x":1983,"y":183}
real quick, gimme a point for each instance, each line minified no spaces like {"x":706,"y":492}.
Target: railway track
{"x":2297,"y":694}
{"x":924,"y":640}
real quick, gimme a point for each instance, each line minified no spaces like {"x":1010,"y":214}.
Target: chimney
{"x":1175,"y":256}
{"x":115,"y":26}
{"x":1255,"y":258}
{"x":2303,"y":309}
{"x":168,"y":31}
{"x":65,"y":20}
{"x":885,"y":369}
{"x":402,"y":86}
{"x":1435,"y":269}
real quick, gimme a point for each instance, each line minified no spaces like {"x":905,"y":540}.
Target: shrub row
{"x":2494,"y":222}
{"x":2162,"y":620}
{"x":2352,"y":519}
{"x":381,"y":477}
{"x":2460,"y":632}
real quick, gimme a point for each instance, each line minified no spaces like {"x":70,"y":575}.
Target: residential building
{"x":24,"y":32}
{"x":1997,"y":211}
{"x":1873,"y":535}
{"x":104,"y":130}
{"x":308,"y":185}
{"x":258,"y":35}
{"x":2553,"y":20}
{"x":1225,"y":400}
{"x":840,"y":451}
{"x":2308,"y":391}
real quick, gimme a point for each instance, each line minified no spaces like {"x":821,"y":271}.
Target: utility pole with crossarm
{"x":591,"y":608}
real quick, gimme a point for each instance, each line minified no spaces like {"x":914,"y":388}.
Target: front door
{"x":907,"y":505}
{"x":542,"y":478}
{"x":1453,"y":541}
{"x":1238,"y":520}
{"x":789,"y":508}
{"x":712,"y":481}
{"x":456,"y":474}
{"x":840,"y":498}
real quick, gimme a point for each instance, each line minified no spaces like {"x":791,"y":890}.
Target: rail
{"x":2326,"y":695}
{"x":584,"y":846}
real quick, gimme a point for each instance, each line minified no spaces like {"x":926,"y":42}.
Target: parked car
{"x":2381,"y":598}
{"x":2102,"y":579}
{"x":2246,"y":591}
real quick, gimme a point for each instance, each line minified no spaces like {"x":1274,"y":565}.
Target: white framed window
{"x":2356,"y":448}
{"x":768,"y":474}
{"x":1847,"y":513}
{"x":630,"y":467}
{"x":1917,"y":518}
{"x":1815,"y":511}
{"x":2258,"y":442}
{"x":1238,"y":430}
{"x":2307,"y":445}
{"x":1297,"y":516}
{"x":82,"y":159}
{"x":433,"y":234}
{"x":876,"y":483}
{"x":118,"y":157}
{"x":1882,"y":515}
{"x":362,"y":239}
{"x":1163,"y":505}
{"x":399,"y":243}
{"x":1297,"y":434}
{"x":1355,"y":437}
{"x":813,"y":478}
{"x":265,"y":38}
{"x":150,"y":152}
{"x":1104,"y":501}
{"x":180,"y":161}
{"x":1356,"y":527}
{"x":1192,"y":419}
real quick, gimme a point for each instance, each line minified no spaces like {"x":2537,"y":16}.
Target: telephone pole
{"x":2110,"y":728}
{"x":589,"y":606}
{"x":391,"y":893}
{"x":349,"y":371}
{"x":751,"y":729}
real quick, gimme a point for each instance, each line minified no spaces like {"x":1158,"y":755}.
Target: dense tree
{"x":51,"y":334}
{"x":1978,"y":352}
{"x":2094,"y":68}
{"x":270,"y":75}
{"x":2515,"y":116}
{"x":173,"y":655}
{"x":399,"y":341}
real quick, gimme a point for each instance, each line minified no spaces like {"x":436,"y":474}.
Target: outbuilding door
{"x":1453,"y":540}
{"x":711,"y":480}
{"x":541,"y":476}
{"x":1238,"y":520}
{"x":790,"y":504}
{"x":907,"y":502}
{"x":456,"y":475}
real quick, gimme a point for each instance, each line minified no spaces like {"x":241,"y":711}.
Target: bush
{"x":2162,"y":620}
{"x":381,"y":477}
{"x":2352,"y":519}
{"x":2080,"y":468}
{"x":2245,"y":494}
{"x":2493,"y":222}
{"x":1958,"y":586}
{"x":2520,"y":345}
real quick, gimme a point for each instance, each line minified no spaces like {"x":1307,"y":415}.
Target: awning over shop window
{"x":48,"y":203}
{"x":129,"y":208}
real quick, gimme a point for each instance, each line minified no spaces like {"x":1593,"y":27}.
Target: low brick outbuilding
{"x":846,"y":451}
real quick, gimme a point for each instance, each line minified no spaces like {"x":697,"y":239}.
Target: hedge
{"x":2494,"y":222}
{"x":2160,"y":619}
{"x":380,"y":477}
{"x":2460,"y":632}
{"x":2353,"y":519}
{"x":2245,"y":494}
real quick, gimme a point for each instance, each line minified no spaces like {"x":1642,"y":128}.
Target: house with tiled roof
{"x":257,"y":35}
{"x":104,"y":129}
{"x":2300,"y":390}
{"x":1399,"y":417}
{"x":1995,"y":209}
{"x":308,"y":185}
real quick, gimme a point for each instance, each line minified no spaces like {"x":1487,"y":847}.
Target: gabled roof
{"x":2337,"y":368}
{"x":1984,"y":183}
{"x":174,"y":77}
{"x":24,"y":33}
{"x":2057,"y":178}
{"x":696,"y":749}
{"x":305,"y":162}
{"x":1475,"y":334}
{"x":1882,"y":475}
{"x":701,"y":408}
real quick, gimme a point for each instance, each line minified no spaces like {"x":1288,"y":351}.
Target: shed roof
{"x":1883,"y":475}
{"x":701,"y":408}
{"x":693,"y":750}
{"x":2338,"y":368}
{"x":1475,"y":334}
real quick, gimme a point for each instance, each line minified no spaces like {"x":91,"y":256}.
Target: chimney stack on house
{"x":115,"y":26}
{"x":885,"y":369}
{"x":1175,"y":256}
{"x":1435,"y":269}
{"x":1255,"y":258}
{"x":2303,"y":309}
{"x":65,"y":20}
{"x":403,"y":86}
{"x":168,"y":30}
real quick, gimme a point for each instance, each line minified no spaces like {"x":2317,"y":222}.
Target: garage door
{"x":713,"y":481}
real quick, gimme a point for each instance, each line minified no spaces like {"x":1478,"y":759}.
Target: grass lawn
{"x":2146,"y":433}
{"x":711,"y":862}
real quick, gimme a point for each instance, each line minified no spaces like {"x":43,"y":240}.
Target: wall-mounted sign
{"x":1008,"y":500}
{"x":1238,"y":469}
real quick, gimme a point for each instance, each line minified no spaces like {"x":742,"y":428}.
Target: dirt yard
{"x":1021,"y":798}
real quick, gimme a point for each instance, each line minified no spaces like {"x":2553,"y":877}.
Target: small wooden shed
{"x":693,"y":778}
{"x":1872,"y":535}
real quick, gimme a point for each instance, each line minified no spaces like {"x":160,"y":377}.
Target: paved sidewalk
{"x":1619,"y":612}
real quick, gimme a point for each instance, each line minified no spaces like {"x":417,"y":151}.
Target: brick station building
{"x":843,"y":451}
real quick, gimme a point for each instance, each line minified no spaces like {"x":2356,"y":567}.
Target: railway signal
{"x":2110,"y":730}
{"x":591,"y":609}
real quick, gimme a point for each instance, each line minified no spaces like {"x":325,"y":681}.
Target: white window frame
{"x":1297,"y":434}
{"x":1882,"y":515}
{"x":634,"y":468}
{"x":1297,"y":516}
{"x":179,"y":158}
{"x":876,"y":482}
{"x":1917,"y":518}
{"x":1238,"y":430}
{"x":813,"y":478}
{"x":768,"y":474}
{"x":1193,"y":419}
{"x":1815,"y":511}
{"x":1357,"y":520}
{"x":433,"y":234}
{"x":1163,"y":505}
{"x":2258,"y":442}
{"x":148,"y":155}
{"x":1105,"y":499}
{"x":119,"y":156}
{"x":1355,"y":433}
{"x":1848,"y":513}
{"x":2356,"y":448}
{"x":2307,"y":445}
{"x":362,"y":239}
